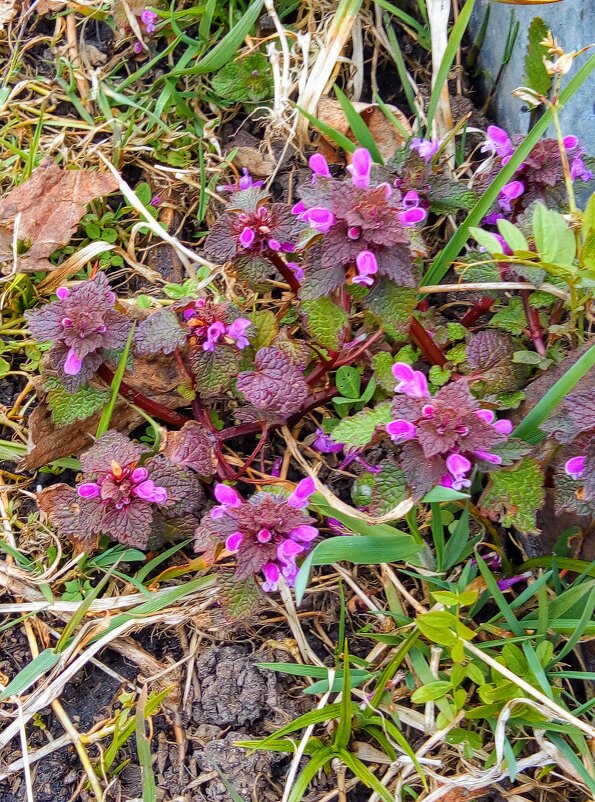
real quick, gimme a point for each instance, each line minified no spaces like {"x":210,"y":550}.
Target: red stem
{"x":154,"y":409}
{"x":535,"y":329}
{"x":429,"y":348}
{"x":476,"y":311}
{"x":285,"y":271}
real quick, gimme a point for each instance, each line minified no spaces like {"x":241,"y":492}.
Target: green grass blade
{"x":392,"y":118}
{"x":528,"y":428}
{"x":31,"y":673}
{"x":447,"y":256}
{"x":343,"y":733}
{"x":226,"y":50}
{"x":143,"y":749}
{"x":397,"y":54}
{"x":108,"y":410}
{"x":454,"y":41}
{"x":316,"y":762}
{"x":361,"y":771}
{"x":329,"y":132}
{"x":358,"y":127}
{"x":421,"y":31}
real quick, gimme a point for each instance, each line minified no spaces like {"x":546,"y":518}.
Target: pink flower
{"x":73,"y":364}
{"x":62,"y":293}
{"x":319,"y":218}
{"x":487,"y":456}
{"x":148,"y":19}
{"x":325,"y":444}
{"x":412,"y":216}
{"x":410,"y":382}
{"x":304,"y":532}
{"x":458,"y":466}
{"x":400,"y":430}
{"x":427,"y":148}
{"x":505,"y":584}
{"x":272,"y":575}
{"x":301,"y":495}
{"x":247,"y":238}
{"x":499,"y":142}
{"x":227,"y":496}
{"x":579,"y":170}
{"x":510,"y":192}
{"x":575,"y":467}
{"x":319,"y":166}
{"x":234,"y":541}
{"x":570,"y":142}
{"x":89,"y":490}
{"x":367,"y":266}
{"x":214,"y":333}
{"x":411,"y":199}
{"x":237,"y":332}
{"x":360,"y":167}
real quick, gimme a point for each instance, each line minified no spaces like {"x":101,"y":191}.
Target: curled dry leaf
{"x":386,"y":136}
{"x":8,"y":10}
{"x":50,"y":205}
{"x":259,"y":164}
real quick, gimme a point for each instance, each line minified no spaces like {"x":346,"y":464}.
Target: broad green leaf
{"x":67,"y":408}
{"x":392,"y":306}
{"x":265,"y":324}
{"x":513,"y":235}
{"x":325,"y":321}
{"x":513,"y":496}
{"x":537,"y":77}
{"x":554,"y":240}
{"x":348,"y":381}
{"x":438,"y":494}
{"x":486,"y":240}
{"x":358,"y":430}
{"x":431,"y":692}
{"x":438,"y":627}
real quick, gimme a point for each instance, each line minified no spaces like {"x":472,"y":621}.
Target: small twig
{"x":494,"y":285}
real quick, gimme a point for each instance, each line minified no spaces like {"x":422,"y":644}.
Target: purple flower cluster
{"x":537,"y":167}
{"x":80,"y":324}
{"x":363,"y":223}
{"x":208,"y":332}
{"x":121,"y":485}
{"x":267,"y":532}
{"x":427,"y":148}
{"x":447,"y":432}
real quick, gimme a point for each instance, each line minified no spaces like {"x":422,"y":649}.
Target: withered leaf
{"x":51,"y":204}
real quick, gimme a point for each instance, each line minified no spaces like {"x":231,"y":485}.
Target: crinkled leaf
{"x":111,"y":447}
{"x":61,"y":504}
{"x":382,"y":364}
{"x":184,"y":492}
{"x":446,"y":196}
{"x":160,"y":332}
{"x":255,"y":271}
{"x":392,"y":305}
{"x":325,"y":321}
{"x":510,"y":318}
{"x":514,"y":496}
{"x":192,"y":447}
{"x":389,"y":489}
{"x":509,"y":451}
{"x":245,"y":79}
{"x":238,"y":599}
{"x":80,"y":405}
{"x":298,"y":352}
{"x":275,"y":385}
{"x":265,"y":327}
{"x":214,"y":370}
{"x":576,"y":414}
{"x":358,"y":430}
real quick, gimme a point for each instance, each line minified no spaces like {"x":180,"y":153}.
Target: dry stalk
{"x":439,"y":14}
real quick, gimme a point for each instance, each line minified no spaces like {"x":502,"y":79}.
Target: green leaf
{"x":448,"y":255}
{"x":392,"y":305}
{"x":325,"y":321}
{"x":311,"y":769}
{"x":358,"y":127}
{"x":329,"y":132}
{"x":265,"y":324}
{"x":486,"y":240}
{"x":438,"y":494}
{"x":554,"y":240}
{"x":514,"y":496}
{"x":348,"y":381}
{"x":83,"y":403}
{"x":389,"y":488}
{"x":31,"y":673}
{"x":358,"y":430}
{"x":513,"y":235}
{"x":510,"y":318}
{"x":382,"y":364}
{"x":215,"y":370}
{"x":245,"y":79}
{"x":537,"y":77}
{"x":431,"y":692}
{"x":437,"y":627}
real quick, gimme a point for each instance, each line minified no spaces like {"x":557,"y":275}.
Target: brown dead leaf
{"x":8,"y":11}
{"x":260,"y":166}
{"x":386,"y":136}
{"x":50,"y":204}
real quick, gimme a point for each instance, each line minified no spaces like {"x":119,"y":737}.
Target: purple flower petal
{"x":412,"y":216}
{"x":88,"y":490}
{"x":505,"y":584}
{"x":319,"y":218}
{"x":288,"y":549}
{"x":367,"y":266}
{"x":247,"y":238}
{"x":319,"y":165}
{"x":503,"y":426}
{"x":264,"y":535}
{"x":301,"y":495}
{"x":575,"y":467}
{"x":62,"y":293}
{"x":458,"y":465}
{"x":271,"y":574}
{"x":487,"y":456}
{"x":234,"y":541}
{"x":401,"y":430}
{"x":227,"y":496}
{"x":360,"y":168}
{"x":73,"y":364}
{"x":304,"y":532}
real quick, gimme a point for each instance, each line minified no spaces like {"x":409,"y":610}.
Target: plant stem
{"x":476,"y":311}
{"x":564,"y":159}
{"x":535,"y":331}
{"x":153,"y":408}
{"x":429,"y":348}
{"x":285,"y":271}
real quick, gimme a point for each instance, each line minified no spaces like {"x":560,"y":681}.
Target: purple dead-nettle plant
{"x":441,"y":437}
{"x":81,"y":324}
{"x":136,"y":501}
{"x":267,"y":533}
{"x":362,"y":226}
{"x":252,"y":226}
